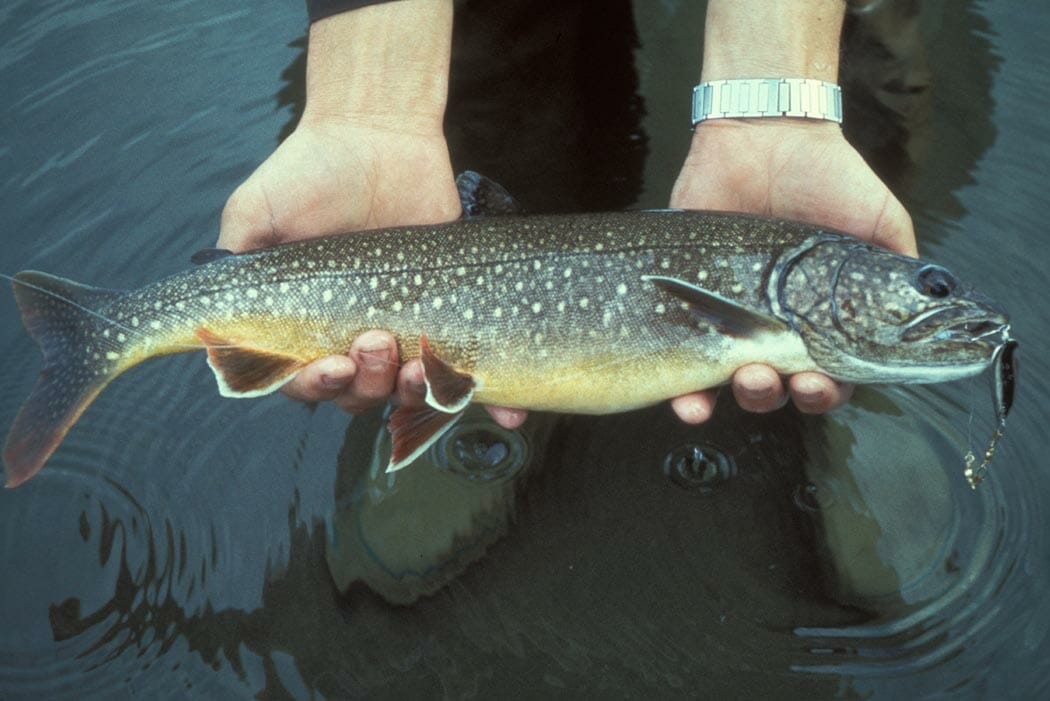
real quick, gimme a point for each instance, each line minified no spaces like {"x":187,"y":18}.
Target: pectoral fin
{"x":724,"y":314}
{"x":244,"y":371}
{"x":413,"y":429}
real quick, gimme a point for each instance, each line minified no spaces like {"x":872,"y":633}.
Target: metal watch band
{"x":767,"y":97}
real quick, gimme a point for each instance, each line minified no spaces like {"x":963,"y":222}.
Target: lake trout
{"x":589,"y":313}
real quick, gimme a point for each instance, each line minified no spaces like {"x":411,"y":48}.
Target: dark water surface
{"x":180,"y":545}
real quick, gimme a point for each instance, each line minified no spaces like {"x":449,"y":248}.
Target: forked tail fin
{"x":82,"y":353}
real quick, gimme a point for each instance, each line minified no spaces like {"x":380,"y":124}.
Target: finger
{"x":695,"y":408}
{"x":411,"y":388}
{"x":814,"y":393}
{"x":322,"y":379}
{"x":375,"y":355}
{"x":507,"y":417}
{"x":758,"y":388}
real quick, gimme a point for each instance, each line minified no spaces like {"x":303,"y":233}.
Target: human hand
{"x":368,"y":152}
{"x":330,"y":177}
{"x":795,"y":169}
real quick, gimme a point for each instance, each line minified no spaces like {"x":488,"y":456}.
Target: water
{"x":179,"y":545}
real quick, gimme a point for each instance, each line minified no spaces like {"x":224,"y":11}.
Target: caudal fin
{"x":81,"y":355}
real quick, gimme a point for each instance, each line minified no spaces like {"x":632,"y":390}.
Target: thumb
{"x":894,"y":229}
{"x":247,"y":220}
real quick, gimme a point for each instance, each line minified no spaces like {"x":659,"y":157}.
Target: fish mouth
{"x":959,"y":325}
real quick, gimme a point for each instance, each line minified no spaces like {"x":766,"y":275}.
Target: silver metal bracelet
{"x":767,"y":97}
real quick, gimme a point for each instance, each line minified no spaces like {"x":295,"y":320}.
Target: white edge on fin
{"x":226,"y":391}
{"x":410,"y":458}
{"x":453,"y":408}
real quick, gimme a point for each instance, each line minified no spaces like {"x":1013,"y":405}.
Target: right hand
{"x":332,"y":177}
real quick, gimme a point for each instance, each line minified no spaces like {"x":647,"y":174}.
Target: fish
{"x":580,"y":313}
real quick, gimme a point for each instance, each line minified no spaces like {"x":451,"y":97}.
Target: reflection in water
{"x":407,"y":534}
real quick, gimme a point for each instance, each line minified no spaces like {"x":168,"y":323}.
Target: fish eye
{"x":935,"y":281}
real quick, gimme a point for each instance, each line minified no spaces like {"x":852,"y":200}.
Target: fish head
{"x":869,"y":315}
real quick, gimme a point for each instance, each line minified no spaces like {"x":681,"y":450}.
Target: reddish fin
{"x":244,"y":371}
{"x":448,"y":389}
{"x":413,"y":429}
{"x":80,"y":358}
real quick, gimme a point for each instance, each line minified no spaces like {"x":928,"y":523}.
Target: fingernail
{"x":375,"y":358}
{"x":757,"y":393}
{"x":330,"y":382}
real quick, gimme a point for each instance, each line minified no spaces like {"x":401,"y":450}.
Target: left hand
{"x":795,"y":169}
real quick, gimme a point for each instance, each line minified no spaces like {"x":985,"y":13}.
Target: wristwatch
{"x":767,"y":97}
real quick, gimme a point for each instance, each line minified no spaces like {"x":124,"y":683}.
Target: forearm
{"x":384,"y":66}
{"x":772,"y":39}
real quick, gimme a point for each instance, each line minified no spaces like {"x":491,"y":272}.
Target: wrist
{"x":381,"y":67}
{"x":782,"y":39}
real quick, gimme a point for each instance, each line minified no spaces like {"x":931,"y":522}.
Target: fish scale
{"x":590,"y":313}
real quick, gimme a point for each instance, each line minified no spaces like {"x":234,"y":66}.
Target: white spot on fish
{"x":660,"y":308}
{"x":468,"y":314}
{"x":621,"y":289}
{"x":567,"y":272}
{"x":497,"y":312}
{"x":373,"y":282}
{"x":180,"y":305}
{"x":326,"y":296}
{"x":756,"y":266}
{"x":437,"y":303}
{"x":415,"y":309}
{"x":283,"y":287}
{"x":110,"y":355}
{"x":268,"y":301}
{"x":499,"y":268}
{"x":121,"y":337}
{"x":105,"y":333}
{"x":155,"y":325}
{"x":701,"y":275}
{"x":295,"y":264}
{"x":461,"y":270}
{"x":536,"y":307}
{"x":418,"y":279}
{"x":599,"y":246}
{"x":252,"y":293}
{"x":158,"y":304}
{"x":606,"y":318}
{"x":205,"y":300}
{"x":397,"y":306}
{"x":538,"y":338}
{"x":480,"y":281}
{"x":584,"y":302}
{"x":737,"y":288}
{"x":519,"y":285}
{"x":352,"y":301}
{"x":665,"y":264}
{"x":561,"y":306}
{"x":371,"y":312}
{"x":537,"y":265}
{"x":134,"y":321}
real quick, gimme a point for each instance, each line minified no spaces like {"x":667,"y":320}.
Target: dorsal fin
{"x":484,"y":197}
{"x":724,"y":314}
{"x":207,"y":255}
